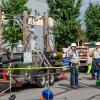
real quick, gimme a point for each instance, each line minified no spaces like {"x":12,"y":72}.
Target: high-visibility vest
{"x":91,"y":53}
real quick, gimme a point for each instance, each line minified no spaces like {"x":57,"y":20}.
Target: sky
{"x":83,"y":9}
{"x":41,"y":6}
{"x":85,"y":5}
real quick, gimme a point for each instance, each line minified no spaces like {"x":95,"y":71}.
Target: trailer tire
{"x":41,"y":80}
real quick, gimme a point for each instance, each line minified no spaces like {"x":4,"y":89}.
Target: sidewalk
{"x":62,"y":91}
{"x":88,"y":90}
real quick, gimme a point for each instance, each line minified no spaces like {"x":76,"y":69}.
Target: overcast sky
{"x":85,"y":5}
{"x":83,"y":8}
{"x":41,"y":6}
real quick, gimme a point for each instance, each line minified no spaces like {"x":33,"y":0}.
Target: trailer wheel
{"x":41,"y":80}
{"x":51,"y":78}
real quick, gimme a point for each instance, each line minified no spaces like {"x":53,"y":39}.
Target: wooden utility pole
{"x":79,"y":35}
{"x":45,"y":31}
{"x":0,"y":32}
{"x":25,"y":30}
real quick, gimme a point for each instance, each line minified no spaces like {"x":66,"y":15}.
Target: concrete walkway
{"x":88,"y":90}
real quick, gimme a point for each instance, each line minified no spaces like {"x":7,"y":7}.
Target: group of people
{"x":94,"y":64}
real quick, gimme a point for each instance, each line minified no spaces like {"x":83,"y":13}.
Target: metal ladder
{"x":42,"y":56}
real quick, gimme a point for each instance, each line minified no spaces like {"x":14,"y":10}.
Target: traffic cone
{"x":4,"y":77}
{"x":41,"y":98}
{"x":63,"y":76}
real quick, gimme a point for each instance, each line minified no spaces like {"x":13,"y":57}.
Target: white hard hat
{"x":97,"y":43}
{"x":73,"y":45}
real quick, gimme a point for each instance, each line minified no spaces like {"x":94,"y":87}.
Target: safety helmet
{"x":97,"y":43}
{"x":73,"y":45}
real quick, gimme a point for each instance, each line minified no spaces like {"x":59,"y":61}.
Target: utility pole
{"x":0,"y":32}
{"x":45,"y":31}
{"x":25,"y":30}
{"x":79,"y":35}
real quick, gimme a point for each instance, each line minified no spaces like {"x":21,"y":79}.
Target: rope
{"x":36,"y":68}
{"x":4,"y":91}
{"x":40,"y":74}
{"x":31,"y":76}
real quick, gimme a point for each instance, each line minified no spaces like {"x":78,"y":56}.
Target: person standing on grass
{"x":74,"y":62}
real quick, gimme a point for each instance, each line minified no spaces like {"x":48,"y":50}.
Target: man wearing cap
{"x":74,"y":62}
{"x":96,"y":62}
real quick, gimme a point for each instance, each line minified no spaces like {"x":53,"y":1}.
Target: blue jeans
{"x":74,"y":75}
{"x":95,"y":68}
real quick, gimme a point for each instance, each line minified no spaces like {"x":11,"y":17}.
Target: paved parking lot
{"x":61,"y":90}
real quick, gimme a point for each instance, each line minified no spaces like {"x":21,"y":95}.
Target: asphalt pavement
{"x":61,"y":90}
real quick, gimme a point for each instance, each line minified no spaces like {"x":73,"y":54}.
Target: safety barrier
{"x":31,"y":68}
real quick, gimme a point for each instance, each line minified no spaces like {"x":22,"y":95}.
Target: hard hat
{"x":97,"y":43}
{"x":73,"y":45}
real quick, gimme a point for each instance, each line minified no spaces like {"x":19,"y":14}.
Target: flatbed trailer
{"x":26,"y":73}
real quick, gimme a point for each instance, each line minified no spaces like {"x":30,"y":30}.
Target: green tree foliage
{"x":92,"y":20}
{"x":65,"y":13}
{"x":11,"y":31}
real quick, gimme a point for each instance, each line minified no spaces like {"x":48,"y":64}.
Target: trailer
{"x":30,"y":63}
{"x":23,"y":73}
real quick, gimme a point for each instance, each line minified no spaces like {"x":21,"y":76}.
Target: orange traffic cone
{"x":60,"y":76}
{"x":41,"y":98}
{"x":63,"y":76}
{"x":4,"y":77}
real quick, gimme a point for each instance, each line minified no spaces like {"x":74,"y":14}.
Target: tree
{"x":11,"y":8}
{"x":92,"y":21}
{"x":65,"y":13}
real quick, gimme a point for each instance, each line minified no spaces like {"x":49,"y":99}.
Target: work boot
{"x":73,"y":87}
{"x":77,"y":86}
